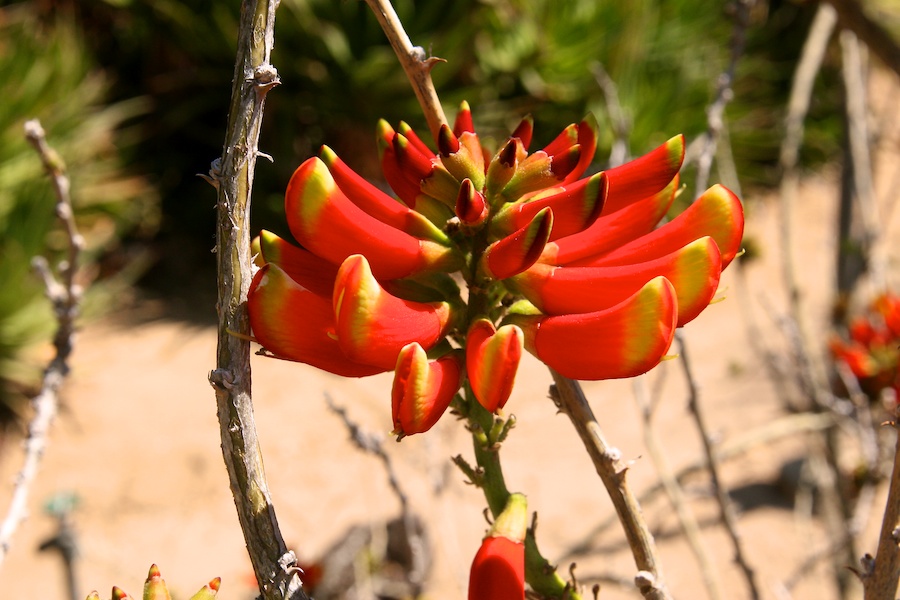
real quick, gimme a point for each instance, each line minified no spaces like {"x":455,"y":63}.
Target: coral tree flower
{"x":482,"y":256}
{"x":872,"y":352}
{"x":498,"y":569}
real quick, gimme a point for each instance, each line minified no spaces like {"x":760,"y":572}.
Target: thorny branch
{"x":65,"y":296}
{"x":232,"y":175}
{"x":416,"y":66}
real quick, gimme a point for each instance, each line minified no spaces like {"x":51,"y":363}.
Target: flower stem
{"x":539,"y":573}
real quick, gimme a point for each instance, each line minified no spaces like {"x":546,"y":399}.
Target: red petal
{"x":611,"y":231}
{"x":717,"y":213}
{"x":524,"y":131}
{"x":378,"y":204}
{"x":498,"y":570}
{"x":311,"y":271}
{"x":575,"y":207}
{"x":372,"y":326}
{"x":623,"y":341}
{"x":327,"y":223}
{"x":644,"y":176}
{"x":463,"y":121}
{"x":692,"y":270}
{"x":294,"y":323}
{"x":519,"y":250}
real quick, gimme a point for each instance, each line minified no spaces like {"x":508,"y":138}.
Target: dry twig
{"x":686,"y":519}
{"x":65,"y":296}
{"x":724,"y":94}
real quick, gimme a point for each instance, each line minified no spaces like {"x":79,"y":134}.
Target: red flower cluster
{"x":484,"y":256}
{"x":873,"y":350}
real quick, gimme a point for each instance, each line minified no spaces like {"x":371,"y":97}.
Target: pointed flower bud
{"x":503,"y":167}
{"x":372,"y":326}
{"x":120,"y":594}
{"x":492,"y":359}
{"x":575,"y":207}
{"x":458,"y":159}
{"x":623,"y":341}
{"x":155,"y":587}
{"x":422,"y":389}
{"x":564,"y":163}
{"x":410,"y":134}
{"x":463,"y":121}
{"x":519,"y":250}
{"x":208,"y":591}
{"x":524,"y":131}
{"x":471,"y":208}
{"x":498,"y":570}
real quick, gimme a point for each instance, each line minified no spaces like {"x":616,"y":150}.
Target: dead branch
{"x":726,"y":509}
{"x":65,"y":296}
{"x":686,"y":519}
{"x":724,"y":94}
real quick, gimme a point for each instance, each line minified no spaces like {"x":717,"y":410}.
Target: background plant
{"x":57,"y":80}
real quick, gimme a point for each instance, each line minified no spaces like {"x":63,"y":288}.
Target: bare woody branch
{"x":569,"y":397}
{"x":726,"y":509}
{"x":232,"y":175}
{"x":65,"y":296}
{"x":686,"y":519}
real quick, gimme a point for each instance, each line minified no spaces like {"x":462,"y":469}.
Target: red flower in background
{"x":872,"y":351}
{"x":572,"y":269}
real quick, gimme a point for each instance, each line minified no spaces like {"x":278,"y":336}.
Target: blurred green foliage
{"x":48,"y":74}
{"x":506,"y":57}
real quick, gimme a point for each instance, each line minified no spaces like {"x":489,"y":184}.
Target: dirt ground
{"x":137,"y":443}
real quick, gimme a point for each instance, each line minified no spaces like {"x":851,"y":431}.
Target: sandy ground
{"x":137,"y":443}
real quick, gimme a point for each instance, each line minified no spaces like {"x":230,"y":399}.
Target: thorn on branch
{"x":221,"y":379}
